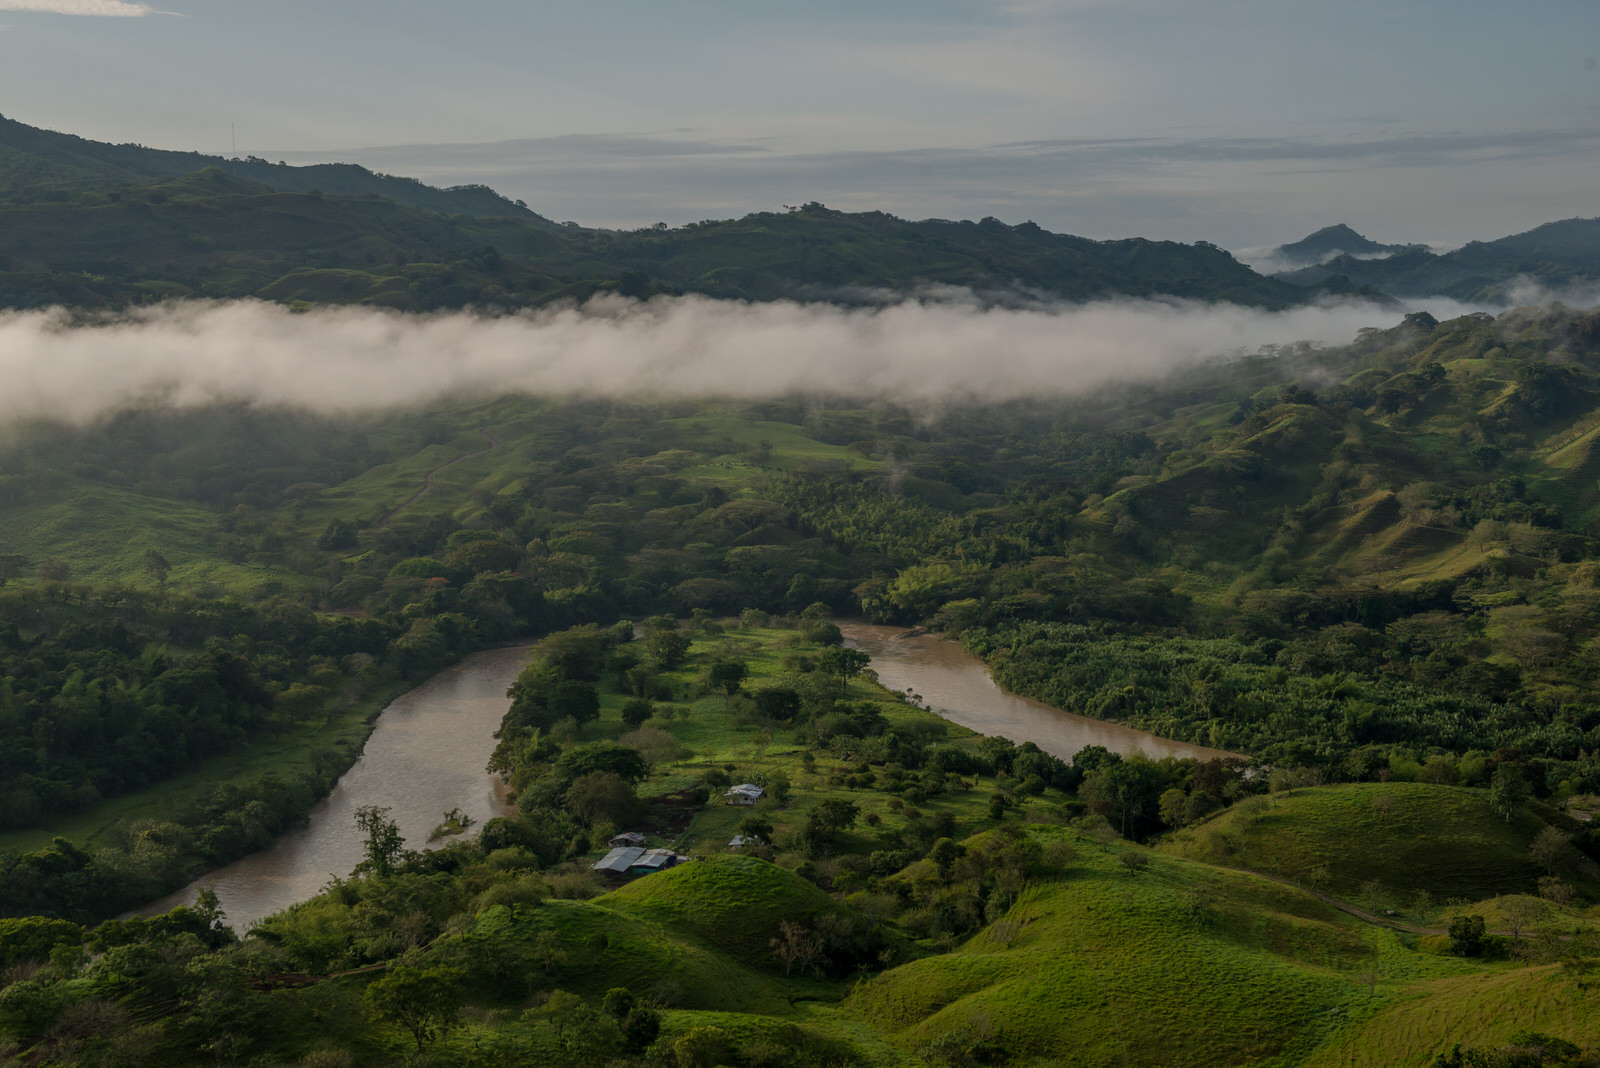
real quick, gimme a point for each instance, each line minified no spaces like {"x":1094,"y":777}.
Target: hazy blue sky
{"x":1243,"y":122}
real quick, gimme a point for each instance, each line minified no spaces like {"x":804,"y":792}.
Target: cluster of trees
{"x":108,"y":694}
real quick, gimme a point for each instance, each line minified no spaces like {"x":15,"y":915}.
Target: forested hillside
{"x":1554,"y":256}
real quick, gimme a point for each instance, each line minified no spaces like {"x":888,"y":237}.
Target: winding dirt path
{"x":1373,"y":918}
{"x":427,"y":480}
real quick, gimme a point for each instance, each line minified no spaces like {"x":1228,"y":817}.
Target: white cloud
{"x":925,"y":353}
{"x":103,"y":8}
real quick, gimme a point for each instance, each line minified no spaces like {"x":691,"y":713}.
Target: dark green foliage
{"x":382,"y":846}
{"x":728,"y":675}
{"x":621,"y":760}
{"x":423,"y":999}
{"x":1467,"y":935}
{"x":636,"y":710}
{"x":1508,"y":789}
{"x":1525,"y":1049}
{"x":32,"y":938}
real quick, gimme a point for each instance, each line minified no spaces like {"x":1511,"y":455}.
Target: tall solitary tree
{"x":382,"y":843}
{"x":158,"y":566}
{"x":1507,"y":791}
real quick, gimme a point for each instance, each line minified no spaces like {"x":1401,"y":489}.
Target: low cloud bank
{"x":355,"y":359}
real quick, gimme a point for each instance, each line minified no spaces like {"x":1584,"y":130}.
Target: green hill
{"x":1484,"y":1010}
{"x":1403,"y":837}
{"x":812,"y":251}
{"x":1179,"y":964}
{"x":588,"y":948}
{"x":734,"y":903}
{"x":32,"y":157}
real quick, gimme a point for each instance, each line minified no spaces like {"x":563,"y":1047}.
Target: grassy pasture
{"x":1181,"y":964}
{"x":1405,"y":836}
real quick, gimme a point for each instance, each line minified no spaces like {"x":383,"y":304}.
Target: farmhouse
{"x":746,"y":793}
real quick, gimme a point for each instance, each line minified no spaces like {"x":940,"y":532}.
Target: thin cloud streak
{"x":349,"y":359}
{"x":98,"y":8}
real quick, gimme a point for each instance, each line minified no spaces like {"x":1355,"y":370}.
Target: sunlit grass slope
{"x":1483,"y":1009}
{"x":1406,"y":836}
{"x":103,"y":532}
{"x":588,"y":948}
{"x":1181,"y":964}
{"x":734,"y":903}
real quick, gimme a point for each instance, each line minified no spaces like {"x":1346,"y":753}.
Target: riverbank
{"x":941,"y":675}
{"x":426,"y":754}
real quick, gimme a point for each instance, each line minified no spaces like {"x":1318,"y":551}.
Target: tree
{"x":624,"y":760}
{"x":636,"y":710}
{"x":845,"y":663}
{"x":666,"y":647}
{"x":425,"y":1000}
{"x":728,"y":675}
{"x":1507,"y":791}
{"x":158,"y":566}
{"x":578,"y":700}
{"x":756,"y":827}
{"x":944,"y":854}
{"x":796,"y":945}
{"x":1466,"y":935}
{"x":1549,"y":848}
{"x":1520,"y":911}
{"x":780,"y":703}
{"x":602,"y":797}
{"x":825,"y":822}
{"x":382,"y":844}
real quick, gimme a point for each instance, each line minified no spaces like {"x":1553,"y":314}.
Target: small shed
{"x":653,"y":860}
{"x":619,"y":861}
{"x":627,"y":838}
{"x":746,"y":793}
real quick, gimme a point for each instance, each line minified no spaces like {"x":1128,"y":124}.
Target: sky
{"x":1246,"y":123}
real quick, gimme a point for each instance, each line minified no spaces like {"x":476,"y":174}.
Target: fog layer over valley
{"x":341,"y":359}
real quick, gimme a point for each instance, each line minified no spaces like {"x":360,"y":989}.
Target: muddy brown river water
{"x":956,"y":685}
{"x":425,"y":757}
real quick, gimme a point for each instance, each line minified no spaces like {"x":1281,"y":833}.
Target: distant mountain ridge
{"x":85,"y":223}
{"x":1328,"y":242}
{"x":30,"y":156}
{"x":1554,"y":255}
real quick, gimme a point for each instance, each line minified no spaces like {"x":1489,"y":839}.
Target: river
{"x":956,"y":685}
{"x":425,"y":756}
{"x":428,"y":750}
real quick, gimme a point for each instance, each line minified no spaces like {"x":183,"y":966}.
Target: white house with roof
{"x":746,"y":793}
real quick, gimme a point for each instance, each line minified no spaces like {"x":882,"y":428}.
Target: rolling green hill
{"x":1403,"y":837}
{"x":1179,"y":964}
{"x":41,"y":159}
